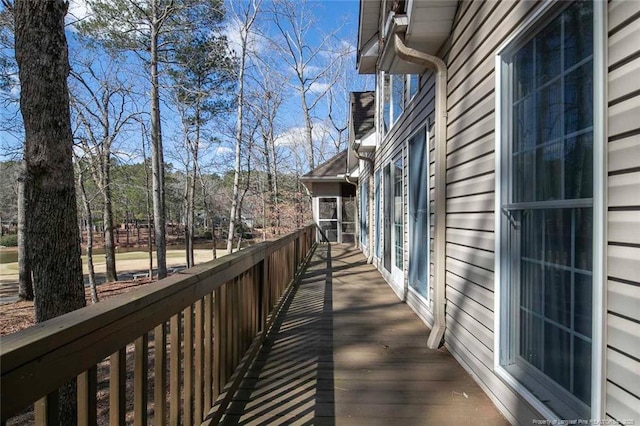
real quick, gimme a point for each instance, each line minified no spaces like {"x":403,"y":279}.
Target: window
{"x":397,"y":91}
{"x":364,"y":214}
{"x":547,"y":210}
{"x":397,"y":97}
{"x":398,"y":220}
{"x":386,"y":102}
{"x":413,"y":81}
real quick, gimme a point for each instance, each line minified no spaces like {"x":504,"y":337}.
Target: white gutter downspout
{"x":417,"y":57}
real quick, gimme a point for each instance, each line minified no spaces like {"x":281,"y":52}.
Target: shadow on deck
{"x":346,"y":351}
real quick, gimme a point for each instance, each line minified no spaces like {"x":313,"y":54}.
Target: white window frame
{"x":598,"y":346}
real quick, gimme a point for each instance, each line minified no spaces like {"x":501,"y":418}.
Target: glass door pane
{"x":418,"y":214}
{"x":398,"y":222}
{"x":387,"y":217}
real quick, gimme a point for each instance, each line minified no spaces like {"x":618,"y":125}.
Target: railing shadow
{"x":292,"y":377}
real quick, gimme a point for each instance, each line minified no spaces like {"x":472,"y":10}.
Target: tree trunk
{"x":188,"y":228}
{"x":157,"y":160}
{"x":50,"y":196}
{"x":25,"y":284}
{"x":276,"y":195}
{"x":149,"y":207}
{"x":107,"y":219}
{"x":89,"y":217}
{"x":191,"y":192}
{"x":236,"y":175}
{"x":308,"y":127}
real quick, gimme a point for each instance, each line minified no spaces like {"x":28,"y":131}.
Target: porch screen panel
{"x":418,"y":214}
{"x":348,"y":224}
{"x":328,"y":217}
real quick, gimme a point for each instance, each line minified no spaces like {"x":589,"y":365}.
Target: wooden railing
{"x":184,"y":335}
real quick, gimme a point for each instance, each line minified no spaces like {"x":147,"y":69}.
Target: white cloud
{"x":221,"y":151}
{"x":78,"y":11}
{"x":233,"y":32}
{"x":295,"y":136}
{"x":319,"y":88}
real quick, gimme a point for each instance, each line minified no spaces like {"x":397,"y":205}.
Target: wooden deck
{"x":347,"y":351}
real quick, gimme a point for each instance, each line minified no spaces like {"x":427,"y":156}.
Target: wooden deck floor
{"x":347,"y":351}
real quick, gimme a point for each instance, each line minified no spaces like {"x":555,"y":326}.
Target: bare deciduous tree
{"x":103,"y":109}
{"x":311,"y":63}
{"x":245,"y":18}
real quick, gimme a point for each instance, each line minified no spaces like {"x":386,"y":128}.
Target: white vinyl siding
{"x":622,"y":399}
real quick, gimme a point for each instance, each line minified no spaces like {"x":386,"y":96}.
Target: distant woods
{"x":193,"y":119}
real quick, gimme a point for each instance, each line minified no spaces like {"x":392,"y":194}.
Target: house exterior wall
{"x":623,"y":216}
{"x":418,"y":114}
{"x":479,"y":29}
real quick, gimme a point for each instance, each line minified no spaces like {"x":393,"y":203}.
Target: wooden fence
{"x":167,"y":350}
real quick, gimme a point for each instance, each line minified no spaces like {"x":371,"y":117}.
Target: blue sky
{"x":329,"y":15}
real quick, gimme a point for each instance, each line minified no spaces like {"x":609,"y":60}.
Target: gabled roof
{"x":330,"y":169}
{"x":363,"y":113}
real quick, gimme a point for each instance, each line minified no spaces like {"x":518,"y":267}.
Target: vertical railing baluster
{"x":188,"y":366}
{"x":229,"y":337}
{"x":118,"y":387}
{"x":225,"y":347}
{"x":87,"y":404}
{"x":208,"y":355}
{"x":46,"y":410}
{"x":234,"y":326}
{"x":198,"y":360}
{"x":174,"y":370}
{"x":140,"y":374}
{"x":160,"y":374}
{"x":217,"y":342}
{"x":244,"y":314}
{"x":261,"y":295}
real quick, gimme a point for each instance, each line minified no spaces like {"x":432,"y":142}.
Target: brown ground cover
{"x":19,"y":315}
